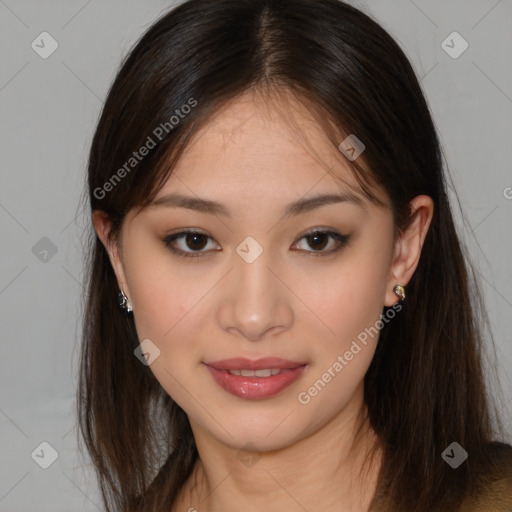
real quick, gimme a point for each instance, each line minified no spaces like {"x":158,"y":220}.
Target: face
{"x":257,"y":282}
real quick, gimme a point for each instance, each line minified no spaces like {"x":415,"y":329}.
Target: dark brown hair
{"x":425,"y":387}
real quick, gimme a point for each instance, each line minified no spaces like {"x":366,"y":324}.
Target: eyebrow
{"x":298,"y":207}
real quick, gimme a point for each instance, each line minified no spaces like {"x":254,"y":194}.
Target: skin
{"x":289,"y":303}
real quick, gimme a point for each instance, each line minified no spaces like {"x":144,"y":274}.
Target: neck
{"x":328,"y":470}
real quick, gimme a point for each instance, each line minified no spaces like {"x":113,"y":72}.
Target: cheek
{"x":351,"y":297}
{"x":351,"y":307}
{"x":161,"y":295}
{"x":165,"y":311}
{"x":169,"y":309}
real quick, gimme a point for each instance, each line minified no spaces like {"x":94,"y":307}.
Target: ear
{"x":408,"y":246}
{"x":102,"y":226}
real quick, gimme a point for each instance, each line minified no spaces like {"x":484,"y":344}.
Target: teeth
{"x":267,"y":372}
{"x":263,"y":373}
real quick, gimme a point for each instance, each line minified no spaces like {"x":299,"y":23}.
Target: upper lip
{"x":242,"y":363}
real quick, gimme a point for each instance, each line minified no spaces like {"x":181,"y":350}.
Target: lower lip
{"x":255,"y":388}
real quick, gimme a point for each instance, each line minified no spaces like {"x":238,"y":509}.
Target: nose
{"x":255,"y":299}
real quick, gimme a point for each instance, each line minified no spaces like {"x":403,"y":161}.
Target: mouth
{"x":264,"y":372}
{"x":255,"y":379}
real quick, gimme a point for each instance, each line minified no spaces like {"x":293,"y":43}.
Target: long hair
{"x":426,"y":386}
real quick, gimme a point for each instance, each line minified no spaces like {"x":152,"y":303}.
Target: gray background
{"x":49,"y":108}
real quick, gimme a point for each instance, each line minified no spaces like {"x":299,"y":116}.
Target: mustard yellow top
{"x":495,"y":496}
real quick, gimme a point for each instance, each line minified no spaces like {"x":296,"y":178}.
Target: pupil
{"x":194,"y":237}
{"x":315,"y":236}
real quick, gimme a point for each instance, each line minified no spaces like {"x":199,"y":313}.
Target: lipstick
{"x":255,"y":379}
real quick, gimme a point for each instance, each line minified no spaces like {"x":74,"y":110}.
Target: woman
{"x":297,"y":329}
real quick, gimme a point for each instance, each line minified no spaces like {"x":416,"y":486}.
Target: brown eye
{"x":191,"y":244}
{"x":196,"y":241}
{"x":188,"y":242}
{"x":318,"y":240}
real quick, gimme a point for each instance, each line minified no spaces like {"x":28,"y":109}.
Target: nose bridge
{"x":256,"y":299}
{"x":254,"y":278}
{"x":252,"y":260}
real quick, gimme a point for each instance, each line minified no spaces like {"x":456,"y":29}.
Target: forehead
{"x":265,"y":143}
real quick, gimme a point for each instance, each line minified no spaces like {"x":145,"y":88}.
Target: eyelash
{"x":340,"y":239}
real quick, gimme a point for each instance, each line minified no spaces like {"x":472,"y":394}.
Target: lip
{"x":242,"y":363}
{"x":255,"y":388}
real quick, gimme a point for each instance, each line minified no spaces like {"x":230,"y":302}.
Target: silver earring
{"x":123,"y":302}
{"x":400,"y":291}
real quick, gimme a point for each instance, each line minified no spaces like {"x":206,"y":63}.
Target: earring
{"x":123,"y":302}
{"x":400,"y":291}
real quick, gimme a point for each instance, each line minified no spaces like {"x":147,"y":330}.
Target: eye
{"x":194,"y":240}
{"x":319,"y":239}
{"x":197,"y":241}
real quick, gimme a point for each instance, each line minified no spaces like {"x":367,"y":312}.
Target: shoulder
{"x":495,"y":493}
{"x":501,"y":460}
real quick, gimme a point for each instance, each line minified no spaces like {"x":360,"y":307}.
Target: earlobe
{"x":408,"y":247}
